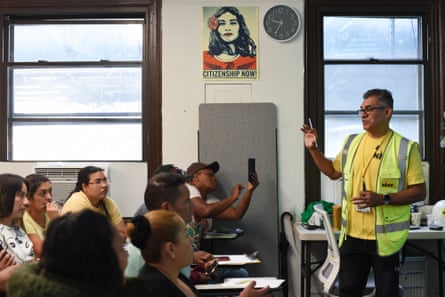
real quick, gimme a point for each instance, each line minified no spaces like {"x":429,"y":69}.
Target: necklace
{"x":365,"y":165}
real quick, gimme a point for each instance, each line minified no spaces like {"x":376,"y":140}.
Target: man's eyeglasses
{"x":98,"y":182}
{"x":370,"y":109}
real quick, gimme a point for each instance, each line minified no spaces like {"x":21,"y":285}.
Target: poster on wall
{"x":229,"y":43}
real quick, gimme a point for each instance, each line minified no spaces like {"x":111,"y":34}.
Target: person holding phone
{"x":167,"y":190}
{"x":383,"y":175}
{"x":205,"y":207}
{"x":165,"y":245}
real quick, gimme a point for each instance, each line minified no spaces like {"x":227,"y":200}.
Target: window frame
{"x":151,"y":66}
{"x":314,"y":76}
{"x":67,"y":117}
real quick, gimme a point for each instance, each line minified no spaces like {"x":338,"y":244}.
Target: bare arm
{"x":122,"y":229}
{"x":37,"y":243}
{"x":322,"y":163}
{"x":237,"y":212}
{"x":203,"y":209}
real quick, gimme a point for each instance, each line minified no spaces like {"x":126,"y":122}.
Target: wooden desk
{"x":305,"y":237}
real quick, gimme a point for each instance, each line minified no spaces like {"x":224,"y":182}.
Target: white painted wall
{"x":280,"y":82}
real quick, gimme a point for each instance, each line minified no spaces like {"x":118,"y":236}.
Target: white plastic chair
{"x":327,"y":274}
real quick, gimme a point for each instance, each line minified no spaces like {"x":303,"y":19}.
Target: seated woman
{"x":15,"y":246}
{"x":41,"y":210}
{"x":82,"y":255}
{"x":91,"y":192}
{"x":166,"y":247}
{"x":13,"y":202}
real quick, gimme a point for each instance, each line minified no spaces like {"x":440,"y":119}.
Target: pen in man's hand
{"x":312,"y":127}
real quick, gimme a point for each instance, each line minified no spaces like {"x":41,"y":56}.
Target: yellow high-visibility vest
{"x":392,"y":221}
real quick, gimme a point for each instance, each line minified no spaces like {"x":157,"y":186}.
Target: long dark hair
{"x":79,"y":246}
{"x":83,"y":177}
{"x":244,"y":44}
{"x":10,"y":184}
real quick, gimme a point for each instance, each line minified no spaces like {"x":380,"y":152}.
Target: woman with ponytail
{"x":166,"y":247}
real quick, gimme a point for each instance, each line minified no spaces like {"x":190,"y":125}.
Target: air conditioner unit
{"x":63,"y":177}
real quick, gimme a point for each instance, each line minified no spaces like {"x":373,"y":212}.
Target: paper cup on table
{"x":416,"y":218}
{"x":336,"y":217}
{"x":429,"y":219}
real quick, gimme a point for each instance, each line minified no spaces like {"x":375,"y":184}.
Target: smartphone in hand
{"x":251,"y":169}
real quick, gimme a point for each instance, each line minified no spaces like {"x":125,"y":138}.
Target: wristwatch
{"x":386,"y":199}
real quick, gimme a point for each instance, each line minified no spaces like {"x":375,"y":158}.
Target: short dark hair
{"x":383,"y":95}
{"x":79,"y":246}
{"x":10,"y":184}
{"x":162,"y":187}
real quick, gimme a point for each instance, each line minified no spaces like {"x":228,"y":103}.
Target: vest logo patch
{"x":387,"y":185}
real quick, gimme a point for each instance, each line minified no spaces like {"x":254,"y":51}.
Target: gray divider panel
{"x":230,"y":134}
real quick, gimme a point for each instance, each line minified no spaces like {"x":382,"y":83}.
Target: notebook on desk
{"x":242,"y":282}
{"x":235,"y":260}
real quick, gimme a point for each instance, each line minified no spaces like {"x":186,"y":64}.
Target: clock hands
{"x":280,"y":24}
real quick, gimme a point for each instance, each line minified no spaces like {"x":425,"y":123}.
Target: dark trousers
{"x":357,"y":256}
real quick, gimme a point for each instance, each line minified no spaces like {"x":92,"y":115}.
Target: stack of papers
{"x":242,"y":282}
{"x":236,"y":259}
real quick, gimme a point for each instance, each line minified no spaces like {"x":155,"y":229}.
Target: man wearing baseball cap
{"x":202,"y":183}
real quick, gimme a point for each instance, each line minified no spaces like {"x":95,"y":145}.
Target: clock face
{"x":282,"y":22}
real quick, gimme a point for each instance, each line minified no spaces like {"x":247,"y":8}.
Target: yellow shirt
{"x":365,"y":167}
{"x":79,"y":201}
{"x":31,"y":226}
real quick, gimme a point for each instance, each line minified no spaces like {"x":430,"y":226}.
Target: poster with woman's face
{"x":229,"y":43}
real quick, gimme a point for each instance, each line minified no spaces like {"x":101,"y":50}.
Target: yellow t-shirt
{"x":31,"y":226}
{"x":365,"y":169}
{"x":79,"y":201}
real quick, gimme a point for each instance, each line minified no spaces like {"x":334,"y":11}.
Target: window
{"x":365,"y":52}
{"x":381,"y":43}
{"x":76,"y":93}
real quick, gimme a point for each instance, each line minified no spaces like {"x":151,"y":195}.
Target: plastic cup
{"x":429,"y":219}
{"x":416,"y":218}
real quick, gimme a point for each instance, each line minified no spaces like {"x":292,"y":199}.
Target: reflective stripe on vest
{"x":382,"y":228}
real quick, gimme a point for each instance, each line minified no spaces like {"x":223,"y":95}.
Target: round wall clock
{"x":282,"y":22}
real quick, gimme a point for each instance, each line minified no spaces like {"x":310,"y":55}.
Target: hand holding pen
{"x":365,"y":200}
{"x":310,"y":135}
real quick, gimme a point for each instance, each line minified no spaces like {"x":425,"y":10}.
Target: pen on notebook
{"x":312,"y":127}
